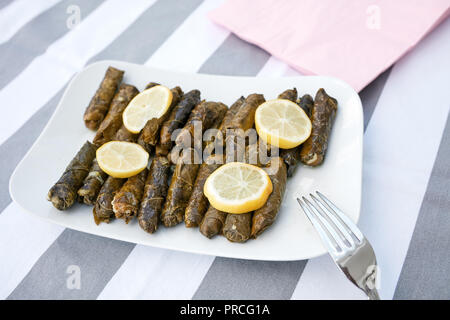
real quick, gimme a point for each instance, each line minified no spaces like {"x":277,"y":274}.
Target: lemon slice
{"x":151,"y":103}
{"x":122,"y":159}
{"x":282,"y":123}
{"x":238,"y":188}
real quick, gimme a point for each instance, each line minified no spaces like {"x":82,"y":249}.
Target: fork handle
{"x":372,"y":294}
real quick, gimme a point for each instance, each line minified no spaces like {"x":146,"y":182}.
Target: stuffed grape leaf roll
{"x":212,"y":223}
{"x":180,"y":189}
{"x":127,"y":200}
{"x":205,"y":115}
{"x":198,"y":203}
{"x":218,"y":142}
{"x":245,"y":117}
{"x":322,"y":118}
{"x":236,"y":134}
{"x":92,"y":183}
{"x":124,"y":135}
{"x":155,"y":192}
{"x":265,"y":216}
{"x":306,"y":102}
{"x":64,"y":192}
{"x":176,"y":120}
{"x":151,"y":85}
{"x":237,"y":227}
{"x":289,"y":94}
{"x":150,"y":133}
{"x":113,"y":120}
{"x":99,"y":105}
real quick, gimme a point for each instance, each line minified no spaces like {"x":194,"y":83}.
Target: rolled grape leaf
{"x":113,"y":120}
{"x":127,"y":200}
{"x":237,"y":227}
{"x":180,"y":190}
{"x":198,"y":203}
{"x":204,"y":115}
{"x":103,"y":210}
{"x":306,"y":102}
{"x":99,"y":105}
{"x":212,"y":223}
{"x":124,"y":135}
{"x":150,"y":133}
{"x":322,"y":118}
{"x":155,"y":193}
{"x":176,"y":120}
{"x":92,"y":183}
{"x":64,"y":192}
{"x":265,"y":216}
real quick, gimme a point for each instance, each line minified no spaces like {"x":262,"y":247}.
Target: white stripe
{"x":192,"y":43}
{"x":48,"y":73}
{"x":19,"y":13}
{"x":322,"y":280}
{"x":153,"y":273}
{"x":274,"y":67}
{"x":23,"y":239}
{"x":401,"y":143}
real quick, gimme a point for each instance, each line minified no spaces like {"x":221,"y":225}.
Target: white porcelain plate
{"x":291,"y":237}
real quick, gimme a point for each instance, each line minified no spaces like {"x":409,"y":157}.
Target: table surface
{"x":406,"y":176}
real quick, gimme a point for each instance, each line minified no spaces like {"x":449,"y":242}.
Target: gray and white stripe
{"x":36,"y":36}
{"x":4,"y":3}
{"x":35,"y":255}
{"x":430,"y":242}
{"x":17,"y":14}
{"x":115,"y":258}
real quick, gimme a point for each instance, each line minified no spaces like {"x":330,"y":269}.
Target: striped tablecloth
{"x":405,"y":204}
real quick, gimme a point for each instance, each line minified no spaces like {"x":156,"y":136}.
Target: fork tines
{"x":337,"y":231}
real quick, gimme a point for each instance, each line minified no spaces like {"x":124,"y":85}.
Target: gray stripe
{"x":98,"y":258}
{"x":246,"y":279}
{"x":49,"y":276}
{"x":34,"y":38}
{"x":4,"y":3}
{"x":425,"y":273}
{"x":48,"y":262}
{"x":149,"y":32}
{"x":242,"y":279}
{"x":235,"y":57}
{"x":370,"y":95}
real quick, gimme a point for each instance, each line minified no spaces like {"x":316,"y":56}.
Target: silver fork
{"x":348,"y":247}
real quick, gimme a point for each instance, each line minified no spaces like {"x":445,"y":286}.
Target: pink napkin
{"x":354,"y":40}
